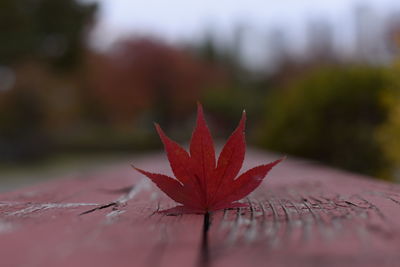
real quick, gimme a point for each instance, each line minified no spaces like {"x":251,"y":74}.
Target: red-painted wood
{"x":303,"y":215}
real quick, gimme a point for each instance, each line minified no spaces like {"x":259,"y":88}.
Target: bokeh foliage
{"x":59,"y":95}
{"x":388,"y":134}
{"x":48,"y":30}
{"x":329,"y":114}
{"x":41,"y":54}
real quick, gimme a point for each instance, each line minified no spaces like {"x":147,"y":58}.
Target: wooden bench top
{"x":303,"y":214}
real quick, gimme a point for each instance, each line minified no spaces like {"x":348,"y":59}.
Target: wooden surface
{"x":302,"y":215}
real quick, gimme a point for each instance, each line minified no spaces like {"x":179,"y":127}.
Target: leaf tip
{"x":280,"y":160}
{"x":159,"y":130}
{"x":276,"y":162}
{"x":243,"y":119}
{"x":138,"y":170}
{"x":200,"y":112}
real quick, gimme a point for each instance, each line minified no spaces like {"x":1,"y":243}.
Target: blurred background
{"x":81,"y":82}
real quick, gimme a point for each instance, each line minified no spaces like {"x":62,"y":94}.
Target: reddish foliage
{"x":141,"y":74}
{"x":201,"y":183}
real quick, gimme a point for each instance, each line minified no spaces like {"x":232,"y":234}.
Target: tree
{"x":46,"y":30}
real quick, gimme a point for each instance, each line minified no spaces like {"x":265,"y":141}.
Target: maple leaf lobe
{"x":203,"y":183}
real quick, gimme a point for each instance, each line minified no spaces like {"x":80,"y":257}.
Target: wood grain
{"x":304,"y":214}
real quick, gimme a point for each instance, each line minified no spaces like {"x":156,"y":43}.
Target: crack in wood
{"x":122,"y":200}
{"x":40,"y":207}
{"x":112,"y":204}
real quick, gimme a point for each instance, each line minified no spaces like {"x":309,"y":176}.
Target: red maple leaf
{"x":202,"y":184}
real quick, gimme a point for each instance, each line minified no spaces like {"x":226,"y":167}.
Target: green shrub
{"x":330,"y":114}
{"x":389,"y":132}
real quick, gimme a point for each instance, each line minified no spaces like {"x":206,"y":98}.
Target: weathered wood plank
{"x":303,"y":215}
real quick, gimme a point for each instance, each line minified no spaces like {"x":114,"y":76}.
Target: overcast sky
{"x":187,"y":20}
